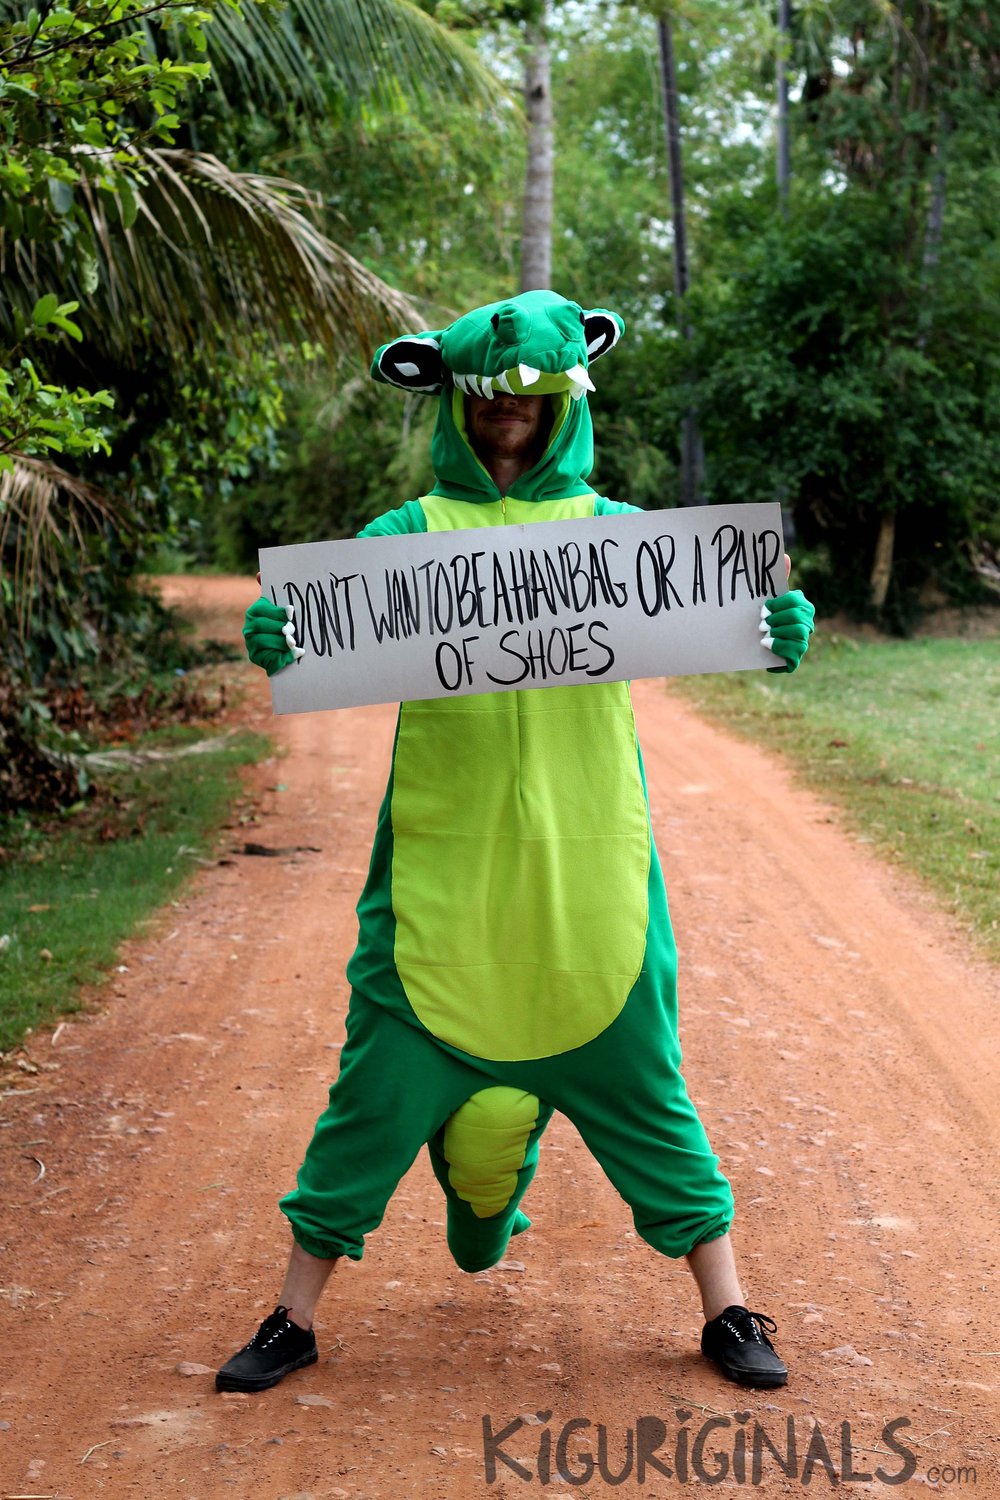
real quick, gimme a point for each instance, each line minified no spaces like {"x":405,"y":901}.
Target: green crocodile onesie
{"x":515,"y":954}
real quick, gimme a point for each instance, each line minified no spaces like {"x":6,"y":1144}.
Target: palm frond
{"x":366,"y":49}
{"x":215,"y":251}
{"x":47,"y":519}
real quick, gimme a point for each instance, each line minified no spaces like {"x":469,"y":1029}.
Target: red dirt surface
{"x":841,"y":1043}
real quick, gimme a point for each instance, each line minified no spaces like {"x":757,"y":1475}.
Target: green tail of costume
{"x":484,"y":1158}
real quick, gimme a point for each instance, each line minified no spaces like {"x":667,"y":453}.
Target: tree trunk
{"x":784,"y":161}
{"x":671,"y":116}
{"x":692,"y":450}
{"x":536,"y":236}
{"x":882,"y":565}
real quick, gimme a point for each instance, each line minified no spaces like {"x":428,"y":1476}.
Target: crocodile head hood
{"x":537,"y":344}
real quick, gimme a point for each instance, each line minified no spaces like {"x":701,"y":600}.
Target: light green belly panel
{"x":520,"y":864}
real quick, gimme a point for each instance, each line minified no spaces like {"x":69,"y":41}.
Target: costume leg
{"x":626,"y":1095}
{"x":484,"y":1157}
{"x":395,"y":1089}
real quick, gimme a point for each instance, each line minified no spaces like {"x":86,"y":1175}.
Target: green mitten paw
{"x":786,"y":625}
{"x":270,"y":636}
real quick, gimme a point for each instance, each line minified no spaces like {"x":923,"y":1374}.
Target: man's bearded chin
{"x":509,"y":442}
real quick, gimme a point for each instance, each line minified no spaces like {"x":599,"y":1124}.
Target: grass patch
{"x":905,"y":736}
{"x":74,"y":885}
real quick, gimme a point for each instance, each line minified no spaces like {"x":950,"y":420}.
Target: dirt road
{"x":842,"y":1046}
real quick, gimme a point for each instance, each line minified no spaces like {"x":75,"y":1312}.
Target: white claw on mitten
{"x":288,"y":631}
{"x":766,"y":638}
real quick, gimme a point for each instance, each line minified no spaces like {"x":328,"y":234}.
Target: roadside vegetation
{"x":904,"y":736}
{"x":75,"y":883}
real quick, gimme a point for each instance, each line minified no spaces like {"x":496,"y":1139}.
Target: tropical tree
{"x":155,"y":287}
{"x":96,"y":201}
{"x":123,"y":249}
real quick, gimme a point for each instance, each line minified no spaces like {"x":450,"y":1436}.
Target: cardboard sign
{"x":434,"y":615}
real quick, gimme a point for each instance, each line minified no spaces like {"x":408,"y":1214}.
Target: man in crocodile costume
{"x":515,"y":954}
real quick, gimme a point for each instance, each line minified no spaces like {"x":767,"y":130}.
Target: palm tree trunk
{"x":536,"y":236}
{"x":692,"y":450}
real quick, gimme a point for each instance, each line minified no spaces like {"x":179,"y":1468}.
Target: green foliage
{"x":37,"y":416}
{"x":805,"y":392}
{"x":482,"y":14}
{"x":216,"y":422}
{"x":329,"y":58}
{"x":430,"y":203}
{"x":70,"y":78}
{"x":73,"y":887}
{"x":346,"y":459}
{"x":611,"y":188}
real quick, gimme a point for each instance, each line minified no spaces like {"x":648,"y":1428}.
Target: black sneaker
{"x":278,"y":1347}
{"x":736,"y":1341}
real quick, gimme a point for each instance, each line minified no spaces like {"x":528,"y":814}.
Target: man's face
{"x":508,"y":427}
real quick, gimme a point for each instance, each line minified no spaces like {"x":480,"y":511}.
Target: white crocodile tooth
{"x":764,"y":627}
{"x":298,"y":651}
{"x":763,"y":611}
{"x":487,"y":386}
{"x":500,"y":382}
{"x":528,"y":374}
{"x":472,"y":385}
{"x":576,"y":392}
{"x":767,"y":642}
{"x":580,"y":375}
{"x":290,"y":611}
{"x":288,"y":631}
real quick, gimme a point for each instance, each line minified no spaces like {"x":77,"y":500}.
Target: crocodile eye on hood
{"x":536,"y":344}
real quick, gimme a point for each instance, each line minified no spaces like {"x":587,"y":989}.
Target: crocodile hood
{"x":537,"y":344}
